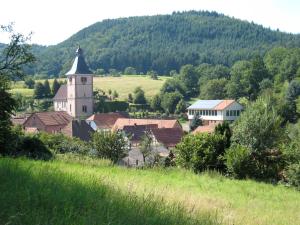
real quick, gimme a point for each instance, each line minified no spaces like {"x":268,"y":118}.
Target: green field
{"x":123,"y":85}
{"x":74,"y":191}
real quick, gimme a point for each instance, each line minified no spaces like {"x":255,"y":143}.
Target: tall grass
{"x":70,"y":190}
{"x":46,"y":193}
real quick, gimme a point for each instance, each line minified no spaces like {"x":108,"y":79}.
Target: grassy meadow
{"x":75,"y":191}
{"x":123,"y":85}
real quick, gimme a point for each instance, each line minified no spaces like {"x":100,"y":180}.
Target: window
{"x":84,"y":108}
{"x":227,"y":112}
{"x":70,"y":80}
{"x":83,"y":80}
{"x":70,"y":107}
{"x":237,"y":112}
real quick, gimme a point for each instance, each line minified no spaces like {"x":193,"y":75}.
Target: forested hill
{"x":163,"y":43}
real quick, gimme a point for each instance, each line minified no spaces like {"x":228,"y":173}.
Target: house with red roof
{"x":58,"y":122}
{"x":215,"y":111}
{"x":161,"y":123}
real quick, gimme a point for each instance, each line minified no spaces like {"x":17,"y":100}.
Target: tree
{"x":146,"y":146}
{"x":290,"y":113}
{"x":47,"y":90}
{"x":173,"y":85}
{"x":265,"y":84}
{"x":130,"y":71}
{"x":196,"y":122}
{"x":39,"y":91}
{"x":115,"y":94}
{"x":224,"y":130}
{"x":29,"y":83}
{"x":155,"y":103}
{"x":180,"y":107}
{"x":189,"y":78}
{"x":239,"y":84}
{"x":173,"y":73}
{"x":258,"y":129}
{"x":110,"y":145}
{"x":12,"y":60}
{"x":100,"y":72}
{"x":139,"y":96}
{"x":213,"y":89}
{"x":130,"y":98}
{"x":239,"y":162}
{"x":258,"y":72}
{"x":201,"y":152}
{"x":113,"y":72}
{"x":153,"y":74}
{"x":169,"y":101}
{"x":55,"y":86}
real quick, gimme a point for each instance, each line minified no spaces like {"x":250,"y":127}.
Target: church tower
{"x":79,"y":88}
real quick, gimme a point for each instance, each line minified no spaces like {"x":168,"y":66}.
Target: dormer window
{"x":83,"y":80}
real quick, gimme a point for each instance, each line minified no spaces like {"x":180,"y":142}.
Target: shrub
{"x":201,"y":152}
{"x":59,"y":143}
{"x":32,"y":147}
{"x":238,"y":161}
{"x":110,"y":145}
{"x":293,"y":175}
{"x":258,"y":128}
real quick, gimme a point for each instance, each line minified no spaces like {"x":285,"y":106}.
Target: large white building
{"x":76,"y":97}
{"x":213,"y":111}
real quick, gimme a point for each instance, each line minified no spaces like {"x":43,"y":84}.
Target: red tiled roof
{"x":224,"y":104}
{"x":121,"y":122}
{"x":62,"y":93}
{"x":106,"y":120}
{"x":206,"y":128}
{"x":53,"y":118}
{"x":169,"y":137}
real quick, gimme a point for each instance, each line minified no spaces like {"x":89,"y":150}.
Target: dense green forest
{"x":162,"y":43}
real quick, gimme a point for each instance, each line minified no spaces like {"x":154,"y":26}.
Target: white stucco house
{"x":215,"y":111}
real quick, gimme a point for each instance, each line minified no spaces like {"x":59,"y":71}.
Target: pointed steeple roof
{"x":79,"y":64}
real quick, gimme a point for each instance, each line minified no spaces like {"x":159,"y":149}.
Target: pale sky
{"x":53,"y":21}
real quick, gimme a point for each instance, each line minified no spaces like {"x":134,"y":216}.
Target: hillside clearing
{"x":123,"y":85}
{"x":93,"y":192}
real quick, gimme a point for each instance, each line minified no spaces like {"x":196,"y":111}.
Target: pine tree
{"x":47,"y":90}
{"x":55,"y":87}
{"x":39,"y":91}
{"x":130,"y":98}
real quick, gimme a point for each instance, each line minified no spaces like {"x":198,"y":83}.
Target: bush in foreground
{"x":238,"y":161}
{"x":110,"y":145}
{"x":201,"y":152}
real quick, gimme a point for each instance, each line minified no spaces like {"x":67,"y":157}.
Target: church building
{"x":76,"y":97}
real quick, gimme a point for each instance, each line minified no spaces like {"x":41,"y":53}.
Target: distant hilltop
{"x":162,"y":43}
